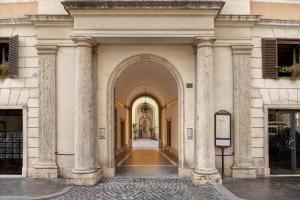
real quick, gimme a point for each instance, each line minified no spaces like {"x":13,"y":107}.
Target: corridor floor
{"x":147,"y":162}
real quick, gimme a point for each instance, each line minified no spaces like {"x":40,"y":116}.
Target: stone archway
{"x":121,"y":67}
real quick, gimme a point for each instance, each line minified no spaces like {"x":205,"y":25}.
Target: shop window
{"x":9,"y":57}
{"x":281,"y":57}
{"x":11,"y":142}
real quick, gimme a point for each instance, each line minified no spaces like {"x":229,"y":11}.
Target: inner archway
{"x":162,"y":123}
{"x":145,"y":123}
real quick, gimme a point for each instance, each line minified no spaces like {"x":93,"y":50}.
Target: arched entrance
{"x":127,"y":83}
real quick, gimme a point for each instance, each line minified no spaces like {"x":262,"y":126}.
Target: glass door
{"x":284,"y":141}
{"x":280,"y":141}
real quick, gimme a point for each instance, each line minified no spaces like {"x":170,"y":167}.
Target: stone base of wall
{"x":185,"y":172}
{"x":85,"y":179}
{"x":263,"y":172}
{"x":244,"y":172}
{"x":204,"y":179}
{"x":45,"y":171}
{"x":109,"y":172}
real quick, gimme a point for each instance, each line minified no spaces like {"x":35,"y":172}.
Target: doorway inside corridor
{"x":146,"y":118}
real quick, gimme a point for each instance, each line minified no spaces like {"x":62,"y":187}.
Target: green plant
{"x":286,"y":69}
{"x":3,"y":70}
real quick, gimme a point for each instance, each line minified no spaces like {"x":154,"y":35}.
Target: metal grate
{"x":11,"y":151}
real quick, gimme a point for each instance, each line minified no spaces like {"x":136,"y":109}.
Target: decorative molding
{"x":51,"y":20}
{"x":46,"y":49}
{"x":15,"y":21}
{"x":143,"y":4}
{"x":204,"y":41}
{"x":237,"y":20}
{"x":278,"y":22}
{"x":242,"y":49}
{"x":82,"y":41}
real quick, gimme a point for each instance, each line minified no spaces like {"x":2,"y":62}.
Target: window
{"x":11,"y":142}
{"x":280,"y":57}
{"x":9,"y":56}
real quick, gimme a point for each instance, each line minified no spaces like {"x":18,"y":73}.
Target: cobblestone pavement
{"x":143,"y":189}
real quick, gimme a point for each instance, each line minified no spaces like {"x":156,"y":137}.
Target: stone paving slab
{"x":19,"y":188}
{"x":274,"y":188}
{"x":128,"y":188}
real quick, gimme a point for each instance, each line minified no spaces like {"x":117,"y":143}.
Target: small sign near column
{"x":222,"y":132}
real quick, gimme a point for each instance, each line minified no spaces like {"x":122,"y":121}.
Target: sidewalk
{"x":11,"y":189}
{"x":274,"y":188}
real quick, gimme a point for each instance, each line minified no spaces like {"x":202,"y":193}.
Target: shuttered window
{"x":9,"y":54}
{"x":270,"y":58}
{"x":279,"y":56}
{"x":13,"y":56}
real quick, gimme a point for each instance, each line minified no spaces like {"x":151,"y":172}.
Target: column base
{"x":206,"y":177}
{"x":243,"y":172}
{"x":45,"y":170}
{"x":87,"y":179}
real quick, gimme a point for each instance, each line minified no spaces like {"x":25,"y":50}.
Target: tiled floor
{"x":147,"y":162}
{"x":144,"y":143}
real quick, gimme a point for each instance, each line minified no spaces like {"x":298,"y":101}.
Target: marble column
{"x":204,"y":171}
{"x":46,"y":166}
{"x":242,"y":167}
{"x":85,"y":171}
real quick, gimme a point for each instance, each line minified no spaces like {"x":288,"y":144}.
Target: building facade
{"x":74,"y":76}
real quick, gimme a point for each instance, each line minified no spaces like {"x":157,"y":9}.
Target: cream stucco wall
{"x":23,"y":90}
{"x":241,"y":7}
{"x":268,"y":91}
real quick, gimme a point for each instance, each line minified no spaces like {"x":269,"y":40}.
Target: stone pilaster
{"x":85,"y":171}
{"x":46,"y":166}
{"x":242,"y":167}
{"x":205,"y":171}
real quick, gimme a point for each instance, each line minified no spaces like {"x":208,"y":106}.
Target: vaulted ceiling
{"x":141,"y":75}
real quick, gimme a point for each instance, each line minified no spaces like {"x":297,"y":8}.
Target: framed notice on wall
{"x":223,"y":129}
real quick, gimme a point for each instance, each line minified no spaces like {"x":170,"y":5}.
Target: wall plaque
{"x":102,"y":133}
{"x":189,"y":133}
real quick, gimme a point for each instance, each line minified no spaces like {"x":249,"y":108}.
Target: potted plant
{"x":135,"y":130}
{"x":3,"y":70}
{"x":285,"y":71}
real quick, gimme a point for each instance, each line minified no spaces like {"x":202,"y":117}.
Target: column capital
{"x":242,"y":49}
{"x":46,"y":49}
{"x":84,"y":41}
{"x":204,"y":41}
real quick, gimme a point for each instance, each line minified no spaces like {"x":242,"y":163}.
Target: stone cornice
{"x":51,"y":20}
{"x":278,"y":22}
{"x":143,"y":4}
{"x":237,"y":20}
{"x":15,"y":21}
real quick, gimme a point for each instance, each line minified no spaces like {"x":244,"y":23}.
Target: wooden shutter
{"x":13,"y":56}
{"x":269,"y":58}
